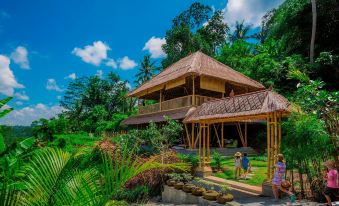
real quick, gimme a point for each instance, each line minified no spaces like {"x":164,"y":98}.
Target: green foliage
{"x":3,"y":102}
{"x":217,"y":159}
{"x":188,"y":34}
{"x":42,"y":130}
{"x":146,"y":70}
{"x":136,"y":194}
{"x":180,"y":177}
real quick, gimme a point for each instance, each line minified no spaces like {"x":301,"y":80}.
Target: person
{"x":331,"y":176}
{"x":237,"y":164}
{"x":245,"y":165}
{"x":279,"y":178}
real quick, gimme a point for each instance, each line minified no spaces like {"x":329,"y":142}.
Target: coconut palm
{"x":3,"y":102}
{"x":240,"y":32}
{"x":146,"y":71}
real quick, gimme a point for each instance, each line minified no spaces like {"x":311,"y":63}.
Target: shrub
{"x":136,"y":194}
{"x":61,"y":143}
{"x":217,"y":158}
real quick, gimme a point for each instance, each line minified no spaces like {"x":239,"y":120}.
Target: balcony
{"x":177,"y":103}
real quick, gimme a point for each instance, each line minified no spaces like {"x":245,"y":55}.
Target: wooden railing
{"x":176,"y":103}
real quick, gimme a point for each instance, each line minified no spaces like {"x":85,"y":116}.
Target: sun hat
{"x":330,"y":163}
{"x":237,"y":154}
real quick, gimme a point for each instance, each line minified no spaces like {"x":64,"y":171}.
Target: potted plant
{"x":188,"y":187}
{"x":197,"y":191}
{"x":210,"y":195}
{"x":217,"y":158}
{"x":223,"y":197}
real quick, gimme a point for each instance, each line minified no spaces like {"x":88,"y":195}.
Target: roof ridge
{"x":231,"y":69}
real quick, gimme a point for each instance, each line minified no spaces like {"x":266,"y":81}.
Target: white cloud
{"x":26,"y":115}
{"x":99,"y":73}
{"x":20,"y":56}
{"x":71,"y":76}
{"x":111,"y":63}
{"x":52,"y":85}
{"x":126,"y":63}
{"x":19,"y":103}
{"x":154,"y":46}
{"x":92,"y":54}
{"x":7,"y":79}
{"x":21,"y":96}
{"x":249,"y":10}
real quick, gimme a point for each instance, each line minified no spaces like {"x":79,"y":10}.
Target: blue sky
{"x":44,"y":44}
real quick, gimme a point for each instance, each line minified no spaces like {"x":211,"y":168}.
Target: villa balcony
{"x":177,"y":103}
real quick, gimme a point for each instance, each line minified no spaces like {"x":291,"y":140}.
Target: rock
{"x":178,"y":185}
{"x":210,"y":195}
{"x":222,"y":199}
{"x":188,"y":188}
{"x":197,"y":191}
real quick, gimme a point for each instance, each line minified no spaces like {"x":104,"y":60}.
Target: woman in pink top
{"x":332,"y":187}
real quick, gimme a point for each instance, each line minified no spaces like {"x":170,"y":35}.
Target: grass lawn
{"x":74,"y":140}
{"x":259,"y":170}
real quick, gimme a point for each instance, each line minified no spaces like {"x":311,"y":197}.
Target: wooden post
{"x":273,"y":157}
{"x":275,"y":137}
{"x":160,"y":101}
{"x":204,"y":144}
{"x":200,"y":152}
{"x":217,"y":135}
{"x":222,"y":135}
{"x":208,"y":143}
{"x":192,"y":142}
{"x":279,"y":132}
{"x":268,"y":148}
{"x":246,"y":134}
{"x":193,"y":91}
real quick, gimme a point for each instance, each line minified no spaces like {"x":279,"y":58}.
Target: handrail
{"x":176,"y":103}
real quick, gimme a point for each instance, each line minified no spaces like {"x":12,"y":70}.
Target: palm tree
{"x":314,"y":27}
{"x":53,"y":178}
{"x":240,"y":32}
{"x":146,"y":71}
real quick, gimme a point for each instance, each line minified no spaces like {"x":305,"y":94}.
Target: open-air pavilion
{"x":260,"y":106}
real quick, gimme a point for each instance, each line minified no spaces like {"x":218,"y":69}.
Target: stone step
{"x":236,"y":185}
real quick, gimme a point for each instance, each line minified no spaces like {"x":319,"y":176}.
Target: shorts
{"x":245,"y":168}
{"x":331,"y":191}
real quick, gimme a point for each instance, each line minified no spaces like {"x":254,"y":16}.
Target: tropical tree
{"x":314,"y":27}
{"x":241,"y":32}
{"x":146,"y":70}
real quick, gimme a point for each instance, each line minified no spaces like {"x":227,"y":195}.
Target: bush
{"x":217,"y":159}
{"x":136,"y":194}
{"x":61,"y":143}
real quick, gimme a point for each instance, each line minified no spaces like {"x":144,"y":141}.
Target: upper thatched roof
{"x":244,"y":105}
{"x":198,"y":63}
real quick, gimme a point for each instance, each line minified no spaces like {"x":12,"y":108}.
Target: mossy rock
{"x":170,"y":182}
{"x":188,"y":188}
{"x":116,"y":203}
{"x":210,"y":195}
{"x":222,"y":199}
{"x":178,"y":185}
{"x":197,"y":191}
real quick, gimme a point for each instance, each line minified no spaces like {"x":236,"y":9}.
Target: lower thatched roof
{"x":241,"y":106}
{"x":157,"y":117}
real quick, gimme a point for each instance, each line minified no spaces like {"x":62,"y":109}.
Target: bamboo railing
{"x":175,"y":103}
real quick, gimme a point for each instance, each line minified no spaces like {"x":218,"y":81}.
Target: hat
{"x":237,"y":154}
{"x":330,"y":163}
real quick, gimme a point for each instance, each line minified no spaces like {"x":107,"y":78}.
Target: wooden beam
{"x":208,"y":143}
{"x":188,"y":136}
{"x":240,"y":134}
{"x":216,"y":134}
{"x":160,"y":101}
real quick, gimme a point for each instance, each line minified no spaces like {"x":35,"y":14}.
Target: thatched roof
{"x":198,"y":63}
{"x":157,"y":117}
{"x":245,"y":105}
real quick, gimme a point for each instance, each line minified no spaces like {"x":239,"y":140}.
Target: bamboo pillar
{"x":268,"y":148}
{"x":275,"y":138}
{"x":193,"y":92}
{"x":272,"y":145}
{"x":200,"y":152}
{"x":160,"y":101}
{"x":188,"y":136}
{"x":279,"y":132}
{"x":222,"y":135}
{"x":208,"y":143}
{"x":246,"y":134}
{"x":204,"y":145}
{"x":192,"y":142}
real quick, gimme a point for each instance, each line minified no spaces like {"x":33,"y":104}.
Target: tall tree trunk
{"x":314,"y":25}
